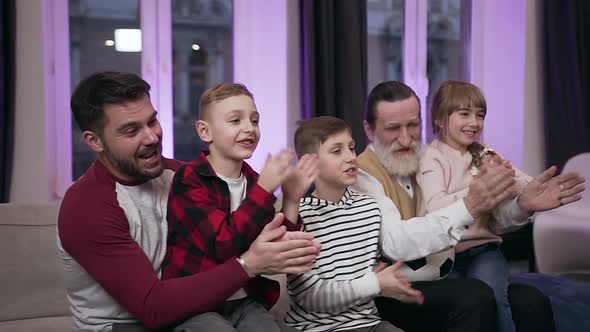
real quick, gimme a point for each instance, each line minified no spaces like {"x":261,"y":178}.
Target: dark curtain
{"x":334,"y":61}
{"x":567,"y":98}
{"x":7,"y":94}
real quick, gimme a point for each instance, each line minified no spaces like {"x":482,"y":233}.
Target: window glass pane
{"x":449,"y":30}
{"x":202,"y":54}
{"x":104,"y":35}
{"x":385,"y":27}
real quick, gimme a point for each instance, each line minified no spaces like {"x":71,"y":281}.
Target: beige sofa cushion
{"x":31,"y":277}
{"x":48,"y":324}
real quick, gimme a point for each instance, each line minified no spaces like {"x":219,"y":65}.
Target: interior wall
{"x":515,"y":99}
{"x":261,"y":62}
{"x":293,"y":78}
{"x":498,"y":68}
{"x":534,"y":140}
{"x":30,"y":179}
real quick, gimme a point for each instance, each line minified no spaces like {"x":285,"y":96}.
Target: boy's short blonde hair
{"x":220,"y":92}
{"x":313,"y":132}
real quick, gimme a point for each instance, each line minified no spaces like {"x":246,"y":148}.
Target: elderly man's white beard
{"x":396,"y":166}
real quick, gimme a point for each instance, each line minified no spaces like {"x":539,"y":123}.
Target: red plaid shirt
{"x":203,"y":233}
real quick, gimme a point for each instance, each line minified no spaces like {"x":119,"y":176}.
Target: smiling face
{"x":230,"y":128}
{"x":130,"y":144}
{"x":458,"y":110}
{"x":463,"y":128}
{"x":336,"y":162}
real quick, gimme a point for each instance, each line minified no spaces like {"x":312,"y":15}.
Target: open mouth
{"x":149,"y":156}
{"x":350,"y":171}
{"x":470,"y":133}
{"x":404,"y":150}
{"x":246,"y":142}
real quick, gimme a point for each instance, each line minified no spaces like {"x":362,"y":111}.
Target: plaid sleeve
{"x":294,"y":226}
{"x":201,"y":233}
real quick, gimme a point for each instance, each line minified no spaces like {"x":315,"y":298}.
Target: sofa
{"x":562,"y":235}
{"x":33,"y":296}
{"x":32,"y":290}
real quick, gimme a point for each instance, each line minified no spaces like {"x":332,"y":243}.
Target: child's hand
{"x":491,"y":159}
{"x":494,"y":159}
{"x":299,"y":181}
{"x":489,"y":187}
{"x":395,"y":285}
{"x":276,"y":169}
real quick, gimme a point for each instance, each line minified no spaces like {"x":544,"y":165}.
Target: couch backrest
{"x":31,"y":274}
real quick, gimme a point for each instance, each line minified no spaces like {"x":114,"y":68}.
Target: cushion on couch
{"x":31,"y":278}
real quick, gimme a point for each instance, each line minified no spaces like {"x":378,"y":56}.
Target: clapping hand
{"x":395,"y":285}
{"x":276,"y":169}
{"x":301,"y":178}
{"x":548,"y":191}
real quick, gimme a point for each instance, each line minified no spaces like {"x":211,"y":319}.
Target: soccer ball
{"x":434,"y":267}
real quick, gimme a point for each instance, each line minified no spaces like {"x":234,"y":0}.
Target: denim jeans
{"x":241,"y":315}
{"x":486,"y":263}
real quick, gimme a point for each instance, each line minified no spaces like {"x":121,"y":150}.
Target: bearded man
{"x":387,"y":171}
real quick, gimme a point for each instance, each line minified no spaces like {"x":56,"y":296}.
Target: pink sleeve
{"x":102,"y":245}
{"x":433,"y":178}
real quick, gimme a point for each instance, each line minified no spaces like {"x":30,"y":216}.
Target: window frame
{"x":280,"y":34}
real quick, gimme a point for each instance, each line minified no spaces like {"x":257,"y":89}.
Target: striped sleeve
{"x":318,"y":294}
{"x":342,"y":276}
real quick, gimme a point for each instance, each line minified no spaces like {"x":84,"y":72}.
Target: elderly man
{"x":388,"y":168}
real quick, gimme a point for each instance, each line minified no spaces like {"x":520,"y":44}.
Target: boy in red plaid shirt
{"x":218,"y":205}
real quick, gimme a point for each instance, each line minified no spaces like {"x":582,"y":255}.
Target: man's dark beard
{"x":128,"y":168}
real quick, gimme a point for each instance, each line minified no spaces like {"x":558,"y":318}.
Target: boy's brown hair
{"x":220,"y":92}
{"x":313,"y":132}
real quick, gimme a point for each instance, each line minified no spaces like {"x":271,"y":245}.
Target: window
{"x":271,"y":75}
{"x":134,"y":35}
{"x":448,"y":46}
{"x":420,"y":42}
{"x":202,"y":57}
{"x":103,"y":36}
{"x":385,"y":29}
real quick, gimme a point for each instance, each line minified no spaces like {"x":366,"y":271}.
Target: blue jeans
{"x":243,"y":315}
{"x":487,"y":264}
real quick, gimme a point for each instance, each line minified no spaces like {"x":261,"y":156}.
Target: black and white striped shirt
{"x":338,"y":293}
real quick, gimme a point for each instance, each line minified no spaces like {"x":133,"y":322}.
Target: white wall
{"x":499,"y":70}
{"x":506,"y":65}
{"x":266,"y":61}
{"x":31,"y":169}
{"x":534,"y":140}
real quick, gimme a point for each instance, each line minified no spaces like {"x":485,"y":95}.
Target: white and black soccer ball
{"x":434,"y":267}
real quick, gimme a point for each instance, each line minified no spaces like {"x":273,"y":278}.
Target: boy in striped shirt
{"x":338,"y":293}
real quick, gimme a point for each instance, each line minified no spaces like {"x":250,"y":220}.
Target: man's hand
{"x":548,"y":191}
{"x":276,"y":169}
{"x":274,"y":252}
{"x":395,"y":285}
{"x":493,"y":184}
